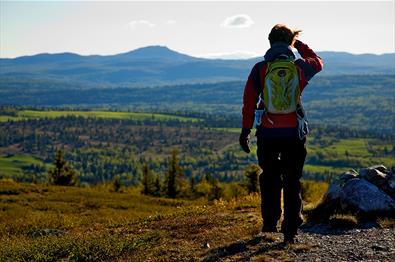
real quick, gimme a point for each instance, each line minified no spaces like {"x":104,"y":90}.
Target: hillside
{"x":349,"y":101}
{"x":158,"y":65}
{"x":48,"y":223}
{"x":102,"y":145}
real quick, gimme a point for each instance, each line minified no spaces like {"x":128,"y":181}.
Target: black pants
{"x":282,"y":163}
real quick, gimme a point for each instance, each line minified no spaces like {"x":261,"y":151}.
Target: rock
{"x":364,"y":197}
{"x":380,"y":168}
{"x":374,"y":176}
{"x":335,"y":190}
{"x":391,"y":185}
{"x":380,"y":177}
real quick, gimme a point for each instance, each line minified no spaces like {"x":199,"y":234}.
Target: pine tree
{"x":117,"y":184}
{"x":147,"y":180}
{"x":192,"y":184}
{"x":157,"y":187}
{"x":62,"y":174}
{"x":252,"y":172}
{"x":174,"y":176}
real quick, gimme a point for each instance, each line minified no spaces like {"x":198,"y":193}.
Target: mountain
{"x":158,"y":65}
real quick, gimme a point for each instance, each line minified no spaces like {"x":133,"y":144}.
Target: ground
{"x":52,"y":223}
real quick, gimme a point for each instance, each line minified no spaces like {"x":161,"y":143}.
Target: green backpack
{"x":281,"y":94}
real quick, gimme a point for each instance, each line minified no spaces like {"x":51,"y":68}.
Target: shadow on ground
{"x":245,"y":249}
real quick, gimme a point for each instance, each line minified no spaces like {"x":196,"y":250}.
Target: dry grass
{"x":387,"y":223}
{"x":93,"y":224}
{"x":342,"y":221}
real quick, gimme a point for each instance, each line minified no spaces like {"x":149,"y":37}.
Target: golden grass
{"x":93,"y":224}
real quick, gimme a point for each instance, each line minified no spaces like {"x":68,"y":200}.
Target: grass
{"x":12,"y":166}
{"x":95,"y":224}
{"x":34,"y":114}
{"x":341,"y":221}
{"x":323,"y":169}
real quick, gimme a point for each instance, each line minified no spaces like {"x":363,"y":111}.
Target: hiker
{"x":272,"y":102}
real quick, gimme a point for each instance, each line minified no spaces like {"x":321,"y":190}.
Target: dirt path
{"x":225,"y":232}
{"x":317,"y":243}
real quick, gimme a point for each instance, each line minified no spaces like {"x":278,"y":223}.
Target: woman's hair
{"x":282,"y":33}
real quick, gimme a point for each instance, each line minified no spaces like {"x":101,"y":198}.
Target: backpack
{"x":281,"y":93}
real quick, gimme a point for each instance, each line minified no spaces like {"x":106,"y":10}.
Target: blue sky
{"x":206,"y":29}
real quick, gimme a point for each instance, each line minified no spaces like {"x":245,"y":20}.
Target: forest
{"x":362,"y":102}
{"x":103,"y":145}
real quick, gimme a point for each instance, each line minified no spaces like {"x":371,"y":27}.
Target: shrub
{"x":62,"y":174}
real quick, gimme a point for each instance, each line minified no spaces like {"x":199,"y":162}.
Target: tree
{"x":62,"y":174}
{"x":174,"y":175}
{"x":147,"y":181}
{"x":117,"y":183}
{"x":252,"y":172}
{"x":216,"y":191}
{"x":192,"y":185}
{"x":157,"y":187}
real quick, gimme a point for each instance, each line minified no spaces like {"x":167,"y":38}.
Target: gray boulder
{"x":364,"y":197}
{"x":374,"y":175}
{"x":381,"y":177}
{"x":353,"y":192}
{"x":335,"y":190}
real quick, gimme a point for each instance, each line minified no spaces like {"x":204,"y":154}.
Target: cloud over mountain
{"x":136,"y":23}
{"x":237,"y":21}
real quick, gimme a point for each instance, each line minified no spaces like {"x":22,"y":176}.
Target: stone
{"x":364,"y":197}
{"x":374,"y":176}
{"x":391,"y":185}
{"x":335,"y":190}
{"x":380,"y":168}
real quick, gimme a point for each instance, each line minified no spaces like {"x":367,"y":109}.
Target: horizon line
{"x":204,"y":56}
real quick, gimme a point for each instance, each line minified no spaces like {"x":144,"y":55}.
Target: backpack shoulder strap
{"x":256,"y":76}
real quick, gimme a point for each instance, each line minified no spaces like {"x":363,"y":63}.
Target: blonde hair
{"x":282,"y":33}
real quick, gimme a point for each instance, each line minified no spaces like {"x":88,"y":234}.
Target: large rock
{"x":351,"y":192}
{"x":374,"y":175}
{"x":364,"y":197}
{"x":381,"y":177}
{"x":335,"y":190}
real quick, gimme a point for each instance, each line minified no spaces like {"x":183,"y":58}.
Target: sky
{"x":204,"y":29}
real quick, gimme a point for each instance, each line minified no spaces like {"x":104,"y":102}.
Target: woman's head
{"x":282,"y":33}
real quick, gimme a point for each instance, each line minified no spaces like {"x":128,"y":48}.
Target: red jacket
{"x":281,"y":125}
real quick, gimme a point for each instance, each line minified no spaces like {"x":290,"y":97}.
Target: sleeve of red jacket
{"x":311,"y":63}
{"x":250,"y":98}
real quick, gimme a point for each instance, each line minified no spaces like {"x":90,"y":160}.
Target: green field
{"x":33,"y":114}
{"x":13,"y":166}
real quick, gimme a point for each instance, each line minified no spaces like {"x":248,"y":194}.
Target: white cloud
{"x":170,"y":22}
{"x":137,"y":23}
{"x":237,"y":21}
{"x":231,"y":55}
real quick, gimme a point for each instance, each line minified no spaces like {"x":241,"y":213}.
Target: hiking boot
{"x":289,"y":239}
{"x":269,"y":229}
{"x":287,"y":229}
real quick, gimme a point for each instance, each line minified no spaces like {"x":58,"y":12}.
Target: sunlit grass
{"x":13,"y":165}
{"x":97,"y":224}
{"x":34,"y":114}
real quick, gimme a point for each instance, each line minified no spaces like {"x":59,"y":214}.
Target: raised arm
{"x":311,"y":63}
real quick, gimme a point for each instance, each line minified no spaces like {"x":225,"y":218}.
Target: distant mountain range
{"x":159,"y":65}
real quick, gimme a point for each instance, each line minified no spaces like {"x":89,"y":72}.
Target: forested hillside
{"x":102,"y":145}
{"x":363,"y":102}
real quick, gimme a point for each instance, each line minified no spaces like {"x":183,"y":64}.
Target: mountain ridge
{"x":153,"y":65}
{"x":163,"y":47}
